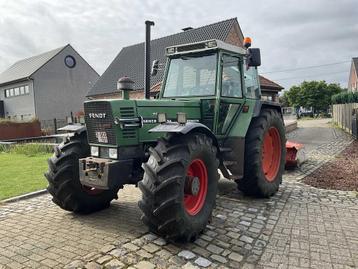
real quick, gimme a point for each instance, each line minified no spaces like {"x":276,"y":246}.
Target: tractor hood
{"x":127,"y":122}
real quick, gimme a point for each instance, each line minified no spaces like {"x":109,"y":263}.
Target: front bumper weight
{"x":104,"y":174}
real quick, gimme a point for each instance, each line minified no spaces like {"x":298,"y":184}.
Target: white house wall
{"x":19,"y":107}
{"x":59,"y":89}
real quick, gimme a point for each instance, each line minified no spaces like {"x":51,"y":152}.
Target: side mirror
{"x":254,"y":58}
{"x":155,"y":67}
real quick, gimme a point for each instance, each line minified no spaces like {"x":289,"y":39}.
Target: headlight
{"x":94,"y":151}
{"x":113,"y":153}
{"x":170,"y":50}
{"x":161,"y":117}
{"x":181,"y":117}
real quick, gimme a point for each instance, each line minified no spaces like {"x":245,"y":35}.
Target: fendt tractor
{"x":208,"y":116}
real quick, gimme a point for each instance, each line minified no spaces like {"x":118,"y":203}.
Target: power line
{"x":304,"y":67}
{"x":322,"y":74}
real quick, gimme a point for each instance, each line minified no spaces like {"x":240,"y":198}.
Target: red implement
{"x":295,"y":154}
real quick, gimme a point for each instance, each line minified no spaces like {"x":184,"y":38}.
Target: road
{"x":314,"y":133}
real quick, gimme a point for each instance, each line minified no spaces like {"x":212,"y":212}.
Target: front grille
{"x":104,"y":124}
{"x":128,"y":112}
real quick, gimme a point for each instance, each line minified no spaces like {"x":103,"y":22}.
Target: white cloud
{"x":290,"y":33}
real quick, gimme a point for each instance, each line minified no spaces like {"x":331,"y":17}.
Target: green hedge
{"x":28,"y":149}
{"x":345,"y":98}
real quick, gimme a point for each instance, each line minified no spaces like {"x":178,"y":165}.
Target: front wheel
{"x":179,"y":186}
{"x":64,"y":182}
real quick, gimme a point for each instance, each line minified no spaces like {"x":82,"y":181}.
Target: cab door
{"x":231,"y":99}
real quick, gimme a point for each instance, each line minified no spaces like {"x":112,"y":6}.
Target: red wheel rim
{"x":194,"y":203}
{"x":91,"y":191}
{"x":271,"y":154}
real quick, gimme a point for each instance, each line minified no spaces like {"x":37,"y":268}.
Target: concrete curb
{"x":24,"y":196}
{"x":290,"y":126}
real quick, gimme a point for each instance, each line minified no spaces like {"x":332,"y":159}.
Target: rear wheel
{"x":264,"y":155}
{"x":179,"y":186}
{"x":64,"y":183}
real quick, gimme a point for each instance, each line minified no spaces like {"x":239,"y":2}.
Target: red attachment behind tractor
{"x":295,"y":154}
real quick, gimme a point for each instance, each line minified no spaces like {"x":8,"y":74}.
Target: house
{"x":353,"y":76}
{"x":130,"y":61}
{"x":47,"y":86}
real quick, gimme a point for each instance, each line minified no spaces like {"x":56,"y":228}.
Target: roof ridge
{"x":194,"y":29}
{"x":40,"y":54}
{"x":271,"y":81}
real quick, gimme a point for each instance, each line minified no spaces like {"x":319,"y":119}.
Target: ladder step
{"x":225,"y":149}
{"x":235,"y":177}
{"x":228,"y":163}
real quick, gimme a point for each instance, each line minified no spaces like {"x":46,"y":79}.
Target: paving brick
{"x":203,"y":262}
{"x":218,"y":258}
{"x":186,"y":254}
{"x":236,"y":257}
{"x":214,"y":249}
{"x":115,"y":264}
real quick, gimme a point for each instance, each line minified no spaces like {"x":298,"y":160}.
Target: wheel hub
{"x":192,"y":185}
{"x":195,"y":187}
{"x":271,"y":154}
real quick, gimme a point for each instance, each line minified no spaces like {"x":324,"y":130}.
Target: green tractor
{"x":207,"y":117}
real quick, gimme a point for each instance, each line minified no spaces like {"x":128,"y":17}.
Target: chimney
{"x":187,"y":28}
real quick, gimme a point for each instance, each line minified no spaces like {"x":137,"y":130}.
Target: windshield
{"x":191,"y":76}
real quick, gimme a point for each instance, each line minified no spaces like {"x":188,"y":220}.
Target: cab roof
{"x":212,"y":44}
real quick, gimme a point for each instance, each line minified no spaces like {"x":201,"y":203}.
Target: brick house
{"x":130,"y":61}
{"x":353,"y":76}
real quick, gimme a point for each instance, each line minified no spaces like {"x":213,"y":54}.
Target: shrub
{"x":28,"y":149}
{"x":345,"y":97}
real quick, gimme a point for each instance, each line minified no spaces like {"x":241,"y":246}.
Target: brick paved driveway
{"x":300,"y":227}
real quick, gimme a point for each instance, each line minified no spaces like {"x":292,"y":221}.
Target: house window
{"x":17,"y":91}
{"x":70,"y":61}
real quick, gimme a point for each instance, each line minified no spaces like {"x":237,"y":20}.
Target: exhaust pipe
{"x":147,"y":66}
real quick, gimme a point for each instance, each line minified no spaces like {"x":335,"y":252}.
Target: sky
{"x":291,"y":34}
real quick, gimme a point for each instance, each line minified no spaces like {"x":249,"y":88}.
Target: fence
{"x":13,"y":130}
{"x":50,"y":126}
{"x":343,"y":114}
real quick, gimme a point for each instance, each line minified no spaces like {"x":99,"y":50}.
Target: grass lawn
{"x":20,"y":173}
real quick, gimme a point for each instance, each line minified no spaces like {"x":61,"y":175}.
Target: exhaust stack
{"x":147,"y":66}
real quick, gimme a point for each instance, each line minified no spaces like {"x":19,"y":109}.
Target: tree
{"x":284,"y":100}
{"x":315,"y":94}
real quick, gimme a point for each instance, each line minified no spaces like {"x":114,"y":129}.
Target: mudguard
{"x":260,"y":104}
{"x":174,"y":127}
{"x":73,"y":128}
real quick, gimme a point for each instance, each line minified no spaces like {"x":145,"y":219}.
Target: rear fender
{"x":260,"y":105}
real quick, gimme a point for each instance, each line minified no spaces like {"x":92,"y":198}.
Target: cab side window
{"x":251,"y":82}
{"x":231,"y":77}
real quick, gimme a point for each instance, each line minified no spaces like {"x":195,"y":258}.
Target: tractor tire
{"x":179,"y":186}
{"x":64,"y":183}
{"x":265,"y":155}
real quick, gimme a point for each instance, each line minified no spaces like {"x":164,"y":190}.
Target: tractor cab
{"x":222,"y":76}
{"x":211,"y":69}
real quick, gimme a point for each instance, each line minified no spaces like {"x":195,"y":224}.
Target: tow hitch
{"x":102,"y":173}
